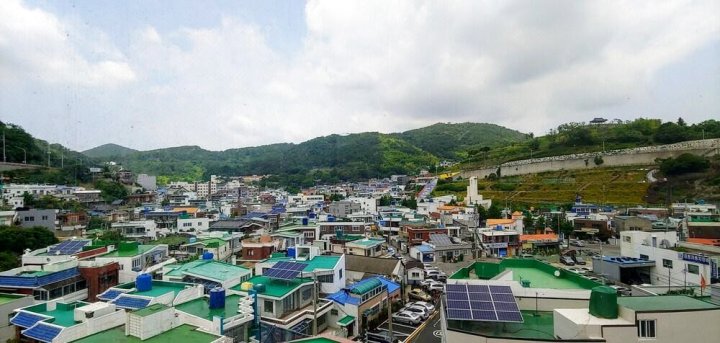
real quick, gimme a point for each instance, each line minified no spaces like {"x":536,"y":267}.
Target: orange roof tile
{"x":705,"y":241}
{"x":493,"y":222}
{"x":539,"y":237}
{"x":188,"y":210}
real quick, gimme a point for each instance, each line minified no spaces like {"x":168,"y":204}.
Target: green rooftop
{"x":158,"y":288}
{"x":368,"y":242}
{"x":539,"y":274}
{"x":536,"y":326}
{"x":276,"y":288}
{"x":318,"y":262}
{"x":183,"y":333}
{"x":129,"y":251}
{"x":345,"y":321}
{"x":152,"y":309}
{"x":210,"y":269}
{"x":201,"y":308}
{"x":7,"y":298}
{"x":315,"y":340}
{"x":63,"y":314}
{"x":665,"y":303}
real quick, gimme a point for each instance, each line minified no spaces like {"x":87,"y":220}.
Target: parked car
{"x":579,"y":260}
{"x":577,"y":271}
{"x":435,"y":274}
{"x":593,"y":278}
{"x":567,"y":260}
{"x":421,"y":311}
{"x":430,"y":307}
{"x":622,"y":290}
{"x":419,"y":294}
{"x":586,"y":269}
{"x":379,"y":337}
{"x":437,"y":286}
{"x":407,"y":317}
{"x":527,"y":256}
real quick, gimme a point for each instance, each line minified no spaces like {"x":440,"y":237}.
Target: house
{"x":141,"y":230}
{"x":47,"y":282}
{"x":329,"y":270}
{"x":371,"y":247}
{"x":258,"y":248}
{"x":514,"y":224}
{"x":361,"y":267}
{"x":7,"y":218}
{"x":190,"y":224}
{"x":419,"y":234}
{"x":342,"y":209}
{"x":449,"y":249}
{"x":38,"y":217}
{"x":362,"y":302}
{"x":207,"y":272}
{"x":414,"y":272}
{"x":422,"y":252}
{"x":499,"y":242}
{"x":134,"y":258}
{"x":347,"y":228}
{"x":631,"y":223}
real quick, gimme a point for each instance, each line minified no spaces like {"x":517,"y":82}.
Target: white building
{"x":193,"y":224}
{"x":473,"y":198}
{"x":137,"y":229}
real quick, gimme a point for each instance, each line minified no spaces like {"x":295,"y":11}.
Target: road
{"x":431,"y":333}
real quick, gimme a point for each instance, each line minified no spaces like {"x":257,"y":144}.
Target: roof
{"x":373,"y":265}
{"x":276,"y":288}
{"x":440,"y":239}
{"x":63,"y":314}
{"x":345,"y":321}
{"x":317,"y":262}
{"x":665,"y":303}
{"x":493,"y":222}
{"x":209,"y":269}
{"x":705,"y":241}
{"x":201,"y":308}
{"x":7,"y":298}
{"x":367,"y":242}
{"x":183,"y":333}
{"x":424,"y":248}
{"x":139,"y":250}
{"x":365,"y":286}
{"x":158,"y":288}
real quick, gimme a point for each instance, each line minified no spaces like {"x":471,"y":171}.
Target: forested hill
{"x":329,"y":159}
{"x":108,"y":150}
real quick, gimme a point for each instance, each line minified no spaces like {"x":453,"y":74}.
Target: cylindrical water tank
{"x":207,"y":255}
{"x":305,"y":221}
{"x":291,"y":252}
{"x":217,"y":297}
{"x":143,"y":282}
{"x":258,"y":287}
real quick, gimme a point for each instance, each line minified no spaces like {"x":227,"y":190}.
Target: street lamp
{"x":24,"y":155}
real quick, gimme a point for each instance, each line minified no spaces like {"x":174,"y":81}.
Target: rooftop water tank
{"x":207,"y":255}
{"x":305,"y":221}
{"x":193,"y":239}
{"x":603,"y":302}
{"x":217,"y":297}
{"x":143,"y":282}
{"x":291,"y":252}
{"x":258,"y":287}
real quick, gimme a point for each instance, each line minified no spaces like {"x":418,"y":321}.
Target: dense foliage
{"x":111,"y":190}
{"x":16,"y":239}
{"x":108,"y":150}
{"x":685,"y":163}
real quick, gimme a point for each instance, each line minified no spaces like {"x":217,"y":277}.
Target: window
{"x":44,"y":217}
{"x":415,"y":275}
{"x":627,"y":239}
{"x":418,"y":236}
{"x":667,"y":263}
{"x":326,"y":278}
{"x":356,"y":228}
{"x":268,"y":306}
{"x":307,"y":293}
{"x":340,"y":274}
{"x":644,"y":257}
{"x":646,"y":328}
{"x":693,"y":269}
{"x":334,"y":312}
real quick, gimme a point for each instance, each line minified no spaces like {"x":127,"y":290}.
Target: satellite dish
{"x":557,"y":273}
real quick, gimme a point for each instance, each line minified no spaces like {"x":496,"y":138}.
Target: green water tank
{"x":603,"y":302}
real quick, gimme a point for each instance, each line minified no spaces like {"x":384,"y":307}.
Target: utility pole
{"x":389,"y":313}
{"x":314,"y":304}
{"x":62,"y":159}
{"x":4,"y":157}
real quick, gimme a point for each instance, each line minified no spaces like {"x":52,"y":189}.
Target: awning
{"x":345,"y":321}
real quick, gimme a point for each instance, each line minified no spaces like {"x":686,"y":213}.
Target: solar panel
{"x":491,"y":303}
{"x":43,"y":332}
{"x":68,"y":247}
{"x":131,"y":302}
{"x":25,"y":319}
{"x":109,"y":294}
{"x":285,"y":270}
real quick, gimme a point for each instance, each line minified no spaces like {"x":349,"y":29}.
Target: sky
{"x":229,"y":74}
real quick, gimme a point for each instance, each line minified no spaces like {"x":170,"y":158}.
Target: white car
{"x":407,"y":317}
{"x":436,"y":286}
{"x":430,"y":307}
{"x":419,"y":310}
{"x":435,"y":274}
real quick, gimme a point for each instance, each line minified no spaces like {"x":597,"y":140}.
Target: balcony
{"x":290,"y":319}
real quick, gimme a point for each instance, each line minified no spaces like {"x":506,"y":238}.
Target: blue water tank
{"x":311,"y":214}
{"x":499,"y":228}
{"x":305,"y":221}
{"x":143,"y":282}
{"x":193,"y":239}
{"x":258,"y":287}
{"x":217,"y":297}
{"x":331,"y":218}
{"x":207,"y":255}
{"x":291,"y":252}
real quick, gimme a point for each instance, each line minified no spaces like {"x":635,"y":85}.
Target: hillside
{"x":108,"y":151}
{"x":452,"y":141}
{"x":327,"y":159}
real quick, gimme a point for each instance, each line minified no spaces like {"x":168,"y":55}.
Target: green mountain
{"x":108,"y":150}
{"x":327,"y":159}
{"x":451,"y":141}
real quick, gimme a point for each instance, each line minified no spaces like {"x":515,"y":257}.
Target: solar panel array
{"x":68,"y":247}
{"x":482,"y":303}
{"x":132,"y":303}
{"x":110,"y":294}
{"x":285,"y":270}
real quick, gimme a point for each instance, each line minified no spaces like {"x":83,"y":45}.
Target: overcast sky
{"x":227,"y":74}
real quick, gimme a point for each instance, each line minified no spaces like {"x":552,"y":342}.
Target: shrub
{"x":685,"y":163}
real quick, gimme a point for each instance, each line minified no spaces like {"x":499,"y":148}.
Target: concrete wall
{"x":614,"y":158}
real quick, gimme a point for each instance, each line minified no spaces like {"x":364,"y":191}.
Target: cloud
{"x":362,"y":66}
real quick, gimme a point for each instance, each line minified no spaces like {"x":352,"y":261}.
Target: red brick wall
{"x":100,"y":279}
{"x":259,"y":253}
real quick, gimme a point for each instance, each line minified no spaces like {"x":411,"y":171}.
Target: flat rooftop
{"x":8,"y":298}
{"x":139,"y":250}
{"x":63,"y":314}
{"x":539,"y":274}
{"x":201,"y":308}
{"x":318,"y":262}
{"x":210,"y":269}
{"x":183,"y":333}
{"x":535,"y":326}
{"x":158,"y":288}
{"x":276,"y":288}
{"x":665,"y":303}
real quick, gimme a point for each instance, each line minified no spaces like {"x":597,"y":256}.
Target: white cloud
{"x":363,"y":66}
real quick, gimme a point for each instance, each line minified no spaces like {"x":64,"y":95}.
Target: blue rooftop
{"x":43,"y":332}
{"x":129,"y":302}
{"x":424,"y":248}
{"x":33,"y":281}
{"x":26,"y":319}
{"x":344,"y":296}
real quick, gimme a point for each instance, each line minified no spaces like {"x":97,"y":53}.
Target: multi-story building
{"x":362,"y":302}
{"x":142,"y":230}
{"x":134,"y":258}
{"x":37,"y":217}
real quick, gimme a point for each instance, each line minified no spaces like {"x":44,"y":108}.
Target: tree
{"x":111,"y":190}
{"x":494,"y":211}
{"x":540,"y":223}
{"x":482,"y":213}
{"x":409,"y":203}
{"x":685,"y":163}
{"x":598,"y":160}
{"x":528,"y":221}
{"x":386,"y":200}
